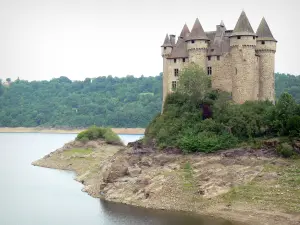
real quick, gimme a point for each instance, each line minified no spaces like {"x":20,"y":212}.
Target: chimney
{"x":172,"y":39}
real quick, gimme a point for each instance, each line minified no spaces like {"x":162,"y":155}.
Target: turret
{"x":266,"y":48}
{"x":245,"y":72}
{"x":197,"y":43}
{"x":166,"y":50}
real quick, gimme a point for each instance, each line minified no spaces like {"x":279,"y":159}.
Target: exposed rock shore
{"x":244,"y":185}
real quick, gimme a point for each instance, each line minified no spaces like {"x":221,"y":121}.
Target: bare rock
{"x":115,"y":170}
{"x":134,"y":171}
{"x":146,"y":161}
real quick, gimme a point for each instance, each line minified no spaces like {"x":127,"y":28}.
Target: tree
{"x":194,"y":82}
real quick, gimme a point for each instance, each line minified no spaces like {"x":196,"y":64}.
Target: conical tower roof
{"x":243,"y":27}
{"x":167,"y":42}
{"x":197,"y":32}
{"x":185,"y":32}
{"x":264,"y":32}
{"x":179,"y":51}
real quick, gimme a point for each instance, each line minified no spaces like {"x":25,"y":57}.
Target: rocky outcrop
{"x":211,"y":184}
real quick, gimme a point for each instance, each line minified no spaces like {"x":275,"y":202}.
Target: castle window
{"x":165,"y":48}
{"x":193,"y":41}
{"x":174,"y":60}
{"x":263,"y":42}
{"x":174,"y":85}
{"x":218,"y":57}
{"x":209,"y":70}
{"x":208,"y":58}
{"x":239,"y":37}
{"x":253,"y":38}
{"x":212,"y":50}
{"x":176,"y":72}
{"x":235,"y":70}
{"x":183,"y":59}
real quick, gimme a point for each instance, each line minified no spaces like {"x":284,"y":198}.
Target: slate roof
{"x":167,"y":42}
{"x":264,"y":32}
{"x":185,"y":32}
{"x":179,"y":51}
{"x":243,"y":27}
{"x":197,"y":32}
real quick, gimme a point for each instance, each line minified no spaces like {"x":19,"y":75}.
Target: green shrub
{"x":94,"y":133}
{"x":207,"y":142}
{"x":285,"y":150}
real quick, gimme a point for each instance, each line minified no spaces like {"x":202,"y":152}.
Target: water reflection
{"x":128,"y":215}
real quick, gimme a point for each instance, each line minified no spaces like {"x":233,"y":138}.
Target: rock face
{"x":198,"y":183}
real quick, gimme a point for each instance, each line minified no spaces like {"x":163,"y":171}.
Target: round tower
{"x":166,"y":50}
{"x":245,"y":78}
{"x":265,"y":49}
{"x":197,"y":44}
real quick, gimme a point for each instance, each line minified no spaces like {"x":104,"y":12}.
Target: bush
{"x":285,"y":150}
{"x":207,"y":142}
{"x":94,"y":133}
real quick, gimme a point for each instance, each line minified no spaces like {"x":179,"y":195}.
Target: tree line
{"x":101,"y":101}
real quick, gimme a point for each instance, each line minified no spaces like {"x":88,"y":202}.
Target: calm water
{"x":38,"y":196}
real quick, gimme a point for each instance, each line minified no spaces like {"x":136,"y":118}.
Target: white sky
{"x":42,"y":39}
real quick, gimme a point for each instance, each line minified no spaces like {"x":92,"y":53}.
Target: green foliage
{"x":194,"y":82}
{"x":285,"y":150}
{"x":62,"y":103}
{"x":94,"y":133}
{"x":181,"y":124}
{"x":207,"y":142}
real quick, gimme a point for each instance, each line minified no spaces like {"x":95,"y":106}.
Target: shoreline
{"x":163,"y":181}
{"x":136,"y":131}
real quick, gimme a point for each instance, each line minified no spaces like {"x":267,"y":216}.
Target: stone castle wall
{"x":244,"y":78}
{"x":247,"y":71}
{"x":222,"y":71}
{"x":198,"y":53}
{"x":266,"y":54}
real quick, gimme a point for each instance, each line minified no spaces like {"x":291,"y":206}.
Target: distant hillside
{"x":107,"y":101}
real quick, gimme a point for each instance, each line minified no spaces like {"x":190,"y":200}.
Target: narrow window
{"x":235,"y":70}
{"x":165,"y":48}
{"x":263,"y":42}
{"x":253,"y":38}
{"x":176,"y":72}
{"x":174,"y":85}
{"x":218,"y":57}
{"x":209,"y":58}
{"x":209,"y":70}
{"x":239,"y":37}
{"x":174,"y":60}
{"x":183,"y":59}
{"x":193,"y":41}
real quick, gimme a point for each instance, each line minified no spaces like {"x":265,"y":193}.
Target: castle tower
{"x":245,"y":76}
{"x":166,"y":50}
{"x":266,"y":48}
{"x":197,"y":44}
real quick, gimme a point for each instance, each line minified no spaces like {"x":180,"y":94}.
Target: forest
{"x":103,"y":101}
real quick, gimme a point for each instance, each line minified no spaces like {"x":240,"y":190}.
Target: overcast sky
{"x":42,"y":39}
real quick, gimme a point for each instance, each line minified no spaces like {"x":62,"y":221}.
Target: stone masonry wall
{"x":198,"y":53}
{"x":222,"y":71}
{"x":245,"y":78}
{"x":266,"y":54}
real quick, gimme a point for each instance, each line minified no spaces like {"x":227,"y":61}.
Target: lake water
{"x":38,"y":196}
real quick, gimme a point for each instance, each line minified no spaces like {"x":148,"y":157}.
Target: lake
{"x":39,"y":196}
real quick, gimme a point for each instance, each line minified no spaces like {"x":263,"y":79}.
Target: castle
{"x":239,"y":61}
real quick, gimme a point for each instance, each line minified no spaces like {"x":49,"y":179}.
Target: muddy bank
{"x":244,"y":185}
